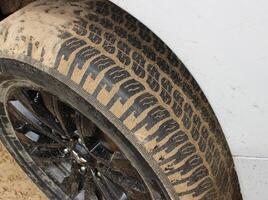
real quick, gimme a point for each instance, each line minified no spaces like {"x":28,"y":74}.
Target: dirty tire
{"x":124,"y":71}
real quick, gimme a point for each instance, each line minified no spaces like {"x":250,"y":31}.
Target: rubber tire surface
{"x":131,"y":77}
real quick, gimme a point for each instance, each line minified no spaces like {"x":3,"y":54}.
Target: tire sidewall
{"x":23,"y":73}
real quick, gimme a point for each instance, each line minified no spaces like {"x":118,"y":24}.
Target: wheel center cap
{"x":80,"y":154}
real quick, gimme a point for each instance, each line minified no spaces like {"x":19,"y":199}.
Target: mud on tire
{"x":117,"y":65}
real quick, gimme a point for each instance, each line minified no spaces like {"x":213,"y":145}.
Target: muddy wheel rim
{"x":71,"y":149}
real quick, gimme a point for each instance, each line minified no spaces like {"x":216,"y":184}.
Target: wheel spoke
{"x":85,"y":127}
{"x":46,"y":155}
{"x":61,"y":112}
{"x":28,"y":139}
{"x":72,"y":150}
{"x":33,"y":101}
{"x":101,"y":153}
{"x":90,"y":188}
{"x":108,"y":189}
{"x":129,"y":183}
{"x":19,"y":111}
{"x":118,"y":170}
{"x":74,"y":182}
{"x":121,"y":172}
{"x":24,"y":99}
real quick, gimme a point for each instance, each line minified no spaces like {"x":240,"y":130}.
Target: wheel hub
{"x":75,"y":154}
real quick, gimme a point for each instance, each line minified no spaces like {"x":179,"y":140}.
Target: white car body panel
{"x":224,"y":45}
{"x":253,"y":177}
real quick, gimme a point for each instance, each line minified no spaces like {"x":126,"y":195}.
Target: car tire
{"x":113,"y":69}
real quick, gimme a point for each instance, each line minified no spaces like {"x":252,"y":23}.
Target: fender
{"x":224,"y":46}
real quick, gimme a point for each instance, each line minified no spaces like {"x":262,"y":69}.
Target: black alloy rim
{"x":75,"y":154}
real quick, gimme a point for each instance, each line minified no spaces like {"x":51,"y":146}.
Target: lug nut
{"x":83,"y":169}
{"x":66,"y":151}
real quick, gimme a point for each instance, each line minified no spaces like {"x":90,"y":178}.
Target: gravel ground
{"x":14,"y":183}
